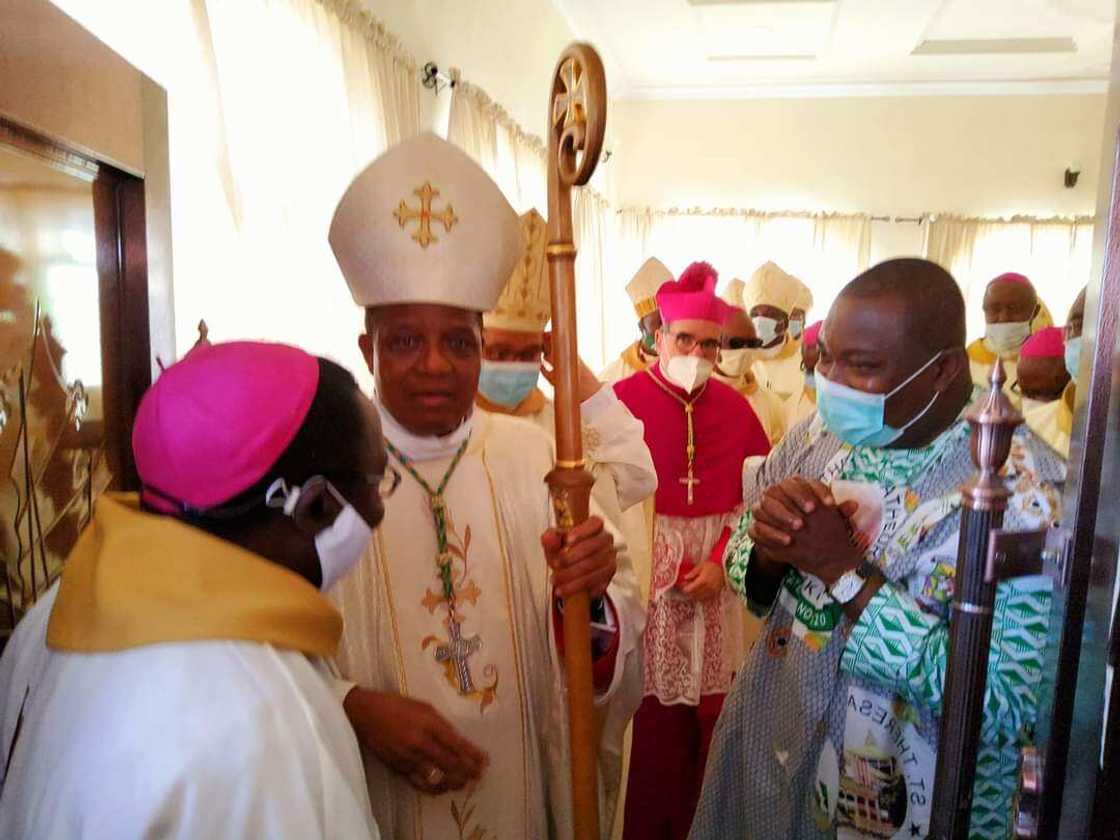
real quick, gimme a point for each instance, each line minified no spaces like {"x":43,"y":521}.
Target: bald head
{"x":1010,"y":298}
{"x":923,"y":294}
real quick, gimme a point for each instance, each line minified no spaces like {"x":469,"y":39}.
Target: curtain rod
{"x":922,"y":218}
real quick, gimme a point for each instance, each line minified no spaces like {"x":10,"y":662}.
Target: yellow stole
{"x":136,"y":579}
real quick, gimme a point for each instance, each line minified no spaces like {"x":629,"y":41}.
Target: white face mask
{"x":1006,"y":339}
{"x":766,"y":328}
{"x":341,"y":544}
{"x":734,"y":363}
{"x":688,"y":372}
{"x":796,"y":327}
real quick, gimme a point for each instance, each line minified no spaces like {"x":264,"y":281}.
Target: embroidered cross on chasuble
{"x":456,"y":651}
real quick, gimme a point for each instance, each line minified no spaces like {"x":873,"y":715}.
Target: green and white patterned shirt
{"x":831,"y":727}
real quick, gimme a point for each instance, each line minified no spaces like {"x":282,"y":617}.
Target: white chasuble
{"x":782,"y":374}
{"x":182,"y":740}
{"x":495,"y":673}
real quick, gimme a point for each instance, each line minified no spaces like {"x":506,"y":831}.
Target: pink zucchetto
{"x":812,"y":333}
{"x":217,"y":421}
{"x":1012,"y":277}
{"x":1046,"y":343}
{"x":692,"y":297}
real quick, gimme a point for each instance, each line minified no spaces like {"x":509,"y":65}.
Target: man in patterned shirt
{"x":848,"y":551}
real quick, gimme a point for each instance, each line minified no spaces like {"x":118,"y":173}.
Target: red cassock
{"x":690,"y":647}
{"x":727,"y":433}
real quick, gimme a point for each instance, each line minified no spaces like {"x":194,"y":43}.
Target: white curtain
{"x":1056,"y":254}
{"x":824,"y":250}
{"x":516,"y":160}
{"x":273,"y":106}
{"x":306,"y":93}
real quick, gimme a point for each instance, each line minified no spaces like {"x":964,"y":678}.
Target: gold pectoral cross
{"x":425,"y":215}
{"x":690,"y":481}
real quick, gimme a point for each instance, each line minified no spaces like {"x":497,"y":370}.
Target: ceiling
{"x":657,"y":49}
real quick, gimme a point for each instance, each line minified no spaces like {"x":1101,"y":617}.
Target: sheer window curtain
{"x":307,"y":93}
{"x":1056,"y":254}
{"x":516,"y":160}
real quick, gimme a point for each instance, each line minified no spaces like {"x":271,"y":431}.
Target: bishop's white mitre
{"x":424,"y":223}
{"x":643,"y":286}
{"x":525,"y":304}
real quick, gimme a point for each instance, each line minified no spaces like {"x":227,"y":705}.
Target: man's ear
{"x":316,"y":509}
{"x":948,"y":369}
{"x":365,"y":344}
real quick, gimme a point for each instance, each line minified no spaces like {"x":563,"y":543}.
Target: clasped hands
{"x":798,"y":523}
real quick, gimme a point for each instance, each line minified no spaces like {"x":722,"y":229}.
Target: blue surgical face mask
{"x":1073,"y":355}
{"x":857,"y":417}
{"x":811,"y":381}
{"x":508,"y":383}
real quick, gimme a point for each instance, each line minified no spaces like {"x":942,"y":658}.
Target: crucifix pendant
{"x":690,"y":481}
{"x":457,"y":651}
{"x":690,"y":451}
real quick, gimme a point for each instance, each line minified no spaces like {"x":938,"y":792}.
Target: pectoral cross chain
{"x":690,"y":481}
{"x":456,"y":650}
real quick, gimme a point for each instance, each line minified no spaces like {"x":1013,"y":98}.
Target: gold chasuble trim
{"x":387,"y":586}
{"x":398,"y":651}
{"x":135,"y":579}
{"x":507,"y":571}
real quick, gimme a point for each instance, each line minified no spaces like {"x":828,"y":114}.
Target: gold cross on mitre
{"x":425,"y":215}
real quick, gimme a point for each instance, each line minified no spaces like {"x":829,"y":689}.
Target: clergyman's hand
{"x":704,"y":582}
{"x":414,"y":740}
{"x":588,"y":383}
{"x":583,"y":559}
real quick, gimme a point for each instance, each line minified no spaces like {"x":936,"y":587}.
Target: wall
{"x":507,"y":47}
{"x":976,"y":155}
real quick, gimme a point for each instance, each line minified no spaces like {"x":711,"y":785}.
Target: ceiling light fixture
{"x":995,"y":46}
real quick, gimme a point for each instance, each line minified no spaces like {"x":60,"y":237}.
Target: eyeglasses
{"x":744,"y":343}
{"x":389,"y":482}
{"x":687,"y":342}
{"x":386,"y":482}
